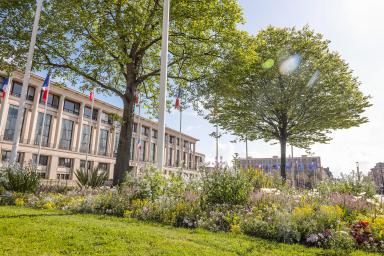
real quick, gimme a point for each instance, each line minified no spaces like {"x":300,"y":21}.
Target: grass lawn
{"x":26,"y":231}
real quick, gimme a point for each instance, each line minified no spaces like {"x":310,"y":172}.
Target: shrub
{"x":225,"y":187}
{"x":258,"y":178}
{"x":257,"y":228}
{"x":220,"y":218}
{"x":329,"y":216}
{"x":90,"y":178}
{"x":150,"y":186}
{"x":19,"y":179}
{"x":340,"y":240}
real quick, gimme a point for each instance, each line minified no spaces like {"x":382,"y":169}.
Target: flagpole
{"x":27,"y":74}
{"x":181,"y":151}
{"x":163,"y":84}
{"x":292,"y":169}
{"x":139,"y":130}
{"x":246,"y":152}
{"x":217,"y":147}
{"x":43,"y":124}
{"x":90,"y":132}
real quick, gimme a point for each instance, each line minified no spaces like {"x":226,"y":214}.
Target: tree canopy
{"x":114,"y":46}
{"x":284,"y":85}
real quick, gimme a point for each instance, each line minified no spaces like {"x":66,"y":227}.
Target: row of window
{"x":53,"y":102}
{"x":67,"y":128}
{"x":43,"y":133}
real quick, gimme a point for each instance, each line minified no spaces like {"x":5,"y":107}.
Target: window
{"x":1,"y":82}
{"x":11,"y":122}
{"x":30,"y":93}
{"x":133,"y":145}
{"x":178,"y":157}
{"x":190,"y":161}
{"x":135,"y":127}
{"x":171,"y":139}
{"x":43,"y":161}
{"x":116,"y":145}
{"x":143,"y":150}
{"x":154,"y":134}
{"x":106,"y":118}
{"x":82,"y":164}
{"x":102,"y":167}
{"x":63,"y":176}
{"x":66,"y":134}
{"x":178,"y":141}
{"x":52,"y":101}
{"x":153,"y":152}
{"x":72,"y":107}
{"x":6,"y":156}
{"x":16,"y":89}
{"x":45,"y":131}
{"x":86,"y":138}
{"x":185,"y":144}
{"x":103,"y":142}
{"x":65,"y":162}
{"x":145,"y":130}
{"x":170,"y":156}
{"x":87,"y":113}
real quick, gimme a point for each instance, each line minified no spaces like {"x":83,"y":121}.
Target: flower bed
{"x":228,"y":202}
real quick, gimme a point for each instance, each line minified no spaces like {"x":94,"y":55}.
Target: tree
{"x":114,"y":47}
{"x":284,"y":85}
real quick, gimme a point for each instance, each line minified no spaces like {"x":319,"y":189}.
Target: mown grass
{"x":26,"y":231}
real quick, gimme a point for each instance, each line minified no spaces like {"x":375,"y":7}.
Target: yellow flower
{"x":19,"y":201}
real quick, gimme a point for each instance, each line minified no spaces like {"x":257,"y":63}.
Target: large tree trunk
{"x":122,"y":166}
{"x":283,"y":159}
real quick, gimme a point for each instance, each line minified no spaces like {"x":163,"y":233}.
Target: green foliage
{"x":114,"y":46}
{"x":19,"y":179}
{"x":340,"y":240}
{"x":284,"y":85}
{"x":90,"y":178}
{"x":52,"y":232}
{"x":226,"y":187}
{"x":351,"y":184}
{"x":259,"y":179}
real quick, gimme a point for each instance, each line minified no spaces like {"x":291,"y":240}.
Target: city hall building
{"x":71,"y":130}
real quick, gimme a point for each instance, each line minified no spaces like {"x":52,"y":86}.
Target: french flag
{"x":45,"y":89}
{"x":4,"y":87}
{"x":177,"y":102}
{"x":91,"y":96}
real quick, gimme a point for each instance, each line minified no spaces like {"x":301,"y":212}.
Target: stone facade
{"x":70,"y":127}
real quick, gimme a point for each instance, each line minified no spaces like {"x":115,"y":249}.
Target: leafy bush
{"x":349,"y":184}
{"x":340,"y":240}
{"x":19,"y":179}
{"x":90,"y":178}
{"x":220,"y":218}
{"x":226,"y":187}
{"x":258,"y":178}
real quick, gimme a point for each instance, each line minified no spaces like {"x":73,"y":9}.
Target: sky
{"x":356,"y":31}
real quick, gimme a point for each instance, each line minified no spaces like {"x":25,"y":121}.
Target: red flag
{"x":177,"y":103}
{"x":91,"y":95}
{"x":136,"y":99}
{"x":45,"y":88}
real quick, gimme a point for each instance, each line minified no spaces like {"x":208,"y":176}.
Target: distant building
{"x":377,"y":175}
{"x":307,"y":169}
{"x":273,"y":163}
{"x":71,"y":130}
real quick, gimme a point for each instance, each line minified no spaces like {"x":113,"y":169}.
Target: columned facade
{"x":71,"y":130}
